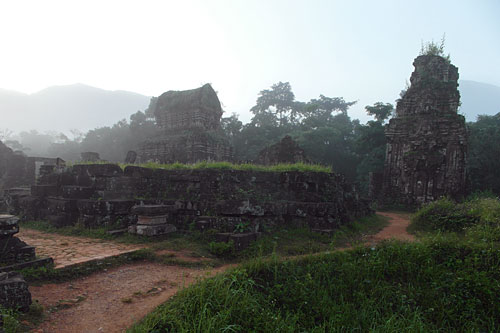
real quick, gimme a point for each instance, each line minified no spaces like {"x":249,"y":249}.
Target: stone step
{"x":152,"y":230}
{"x":151,"y":220}
{"x":153,"y":210}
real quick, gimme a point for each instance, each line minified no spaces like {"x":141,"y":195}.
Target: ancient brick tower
{"x":190,"y":126}
{"x":426,"y":139}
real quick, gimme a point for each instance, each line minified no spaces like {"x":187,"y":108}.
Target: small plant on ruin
{"x":241,"y":227}
{"x":434,"y":49}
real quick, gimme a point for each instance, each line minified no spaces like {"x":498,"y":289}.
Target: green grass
{"x":291,"y":241}
{"x":17,"y":322}
{"x":437,"y":285}
{"x":448,"y":281}
{"x":445,"y":215}
{"x":302,"y":167}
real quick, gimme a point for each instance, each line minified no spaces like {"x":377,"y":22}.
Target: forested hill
{"x":478,"y":98}
{"x":61,"y":108}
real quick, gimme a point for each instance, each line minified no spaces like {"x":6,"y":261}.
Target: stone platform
{"x":68,"y":250}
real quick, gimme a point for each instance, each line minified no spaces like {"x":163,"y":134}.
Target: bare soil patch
{"x":112,"y":300}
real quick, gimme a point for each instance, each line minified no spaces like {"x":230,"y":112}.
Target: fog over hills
{"x":478,"y":98}
{"x":61,"y":108}
{"x":82,"y":107}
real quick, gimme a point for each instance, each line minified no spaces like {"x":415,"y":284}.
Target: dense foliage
{"x":484,"y":152}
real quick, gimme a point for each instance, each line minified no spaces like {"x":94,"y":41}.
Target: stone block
{"x":223,"y":236}
{"x":44,"y":191}
{"x":152,"y":220}
{"x":242,"y":241}
{"x":153,"y":210}
{"x":77,"y":192}
{"x":8,"y":225}
{"x":62,"y":205}
{"x":239,"y":207}
{"x":14,"y":293}
{"x":62,"y":220}
{"x":119,"y":207}
{"x":203,"y":225}
{"x":139,"y":172}
{"x":155,"y":230}
{"x":98,"y":170}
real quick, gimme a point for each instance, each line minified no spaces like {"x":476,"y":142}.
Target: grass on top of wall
{"x":283,"y":167}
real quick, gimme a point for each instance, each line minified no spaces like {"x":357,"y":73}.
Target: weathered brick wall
{"x":103,"y":194}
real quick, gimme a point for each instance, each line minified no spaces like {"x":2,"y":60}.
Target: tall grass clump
{"x":443,"y":215}
{"x":448,"y":216}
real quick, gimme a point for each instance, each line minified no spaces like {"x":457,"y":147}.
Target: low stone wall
{"x":103,"y":195}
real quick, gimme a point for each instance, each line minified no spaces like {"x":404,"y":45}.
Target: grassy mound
{"x":444,"y":283}
{"x":448,"y":216}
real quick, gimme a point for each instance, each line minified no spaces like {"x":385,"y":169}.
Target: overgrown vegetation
{"x":282,"y":167}
{"x":17,"y":322}
{"x":434,"y":49}
{"x":449,"y":216}
{"x":302,"y":167}
{"x":448,"y":281}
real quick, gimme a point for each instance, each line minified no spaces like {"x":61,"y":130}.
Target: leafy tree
{"x":275,"y":106}
{"x":231,"y":126}
{"x":484,"y":150}
{"x":370,"y":143}
{"x":380,"y":111}
{"x":319,"y":112}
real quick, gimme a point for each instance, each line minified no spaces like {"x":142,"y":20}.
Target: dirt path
{"x":112,"y":300}
{"x":398,"y":222}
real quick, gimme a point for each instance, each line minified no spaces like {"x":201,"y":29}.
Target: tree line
{"x":321,"y":126}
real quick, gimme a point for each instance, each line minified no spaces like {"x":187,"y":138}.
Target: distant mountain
{"x":478,"y":98}
{"x":61,"y":108}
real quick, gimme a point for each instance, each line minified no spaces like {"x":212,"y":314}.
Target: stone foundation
{"x":103,"y":195}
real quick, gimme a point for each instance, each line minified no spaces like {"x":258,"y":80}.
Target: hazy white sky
{"x":360,"y":50}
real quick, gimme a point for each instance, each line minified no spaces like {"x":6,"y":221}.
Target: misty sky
{"x":360,"y":50}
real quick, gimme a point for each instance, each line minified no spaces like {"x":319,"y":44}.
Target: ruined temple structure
{"x":285,"y":151}
{"x":90,"y":156}
{"x":154,"y":201}
{"x":14,"y":255}
{"x":190,"y":128}
{"x":426,"y":139}
{"x":19,"y":170}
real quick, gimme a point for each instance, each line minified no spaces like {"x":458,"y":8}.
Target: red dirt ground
{"x":112,"y":300}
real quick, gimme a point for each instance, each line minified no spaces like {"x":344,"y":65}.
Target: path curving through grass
{"x":112,"y":300}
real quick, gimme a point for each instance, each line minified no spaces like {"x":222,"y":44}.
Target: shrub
{"x":443,"y":215}
{"x":222,"y":249}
